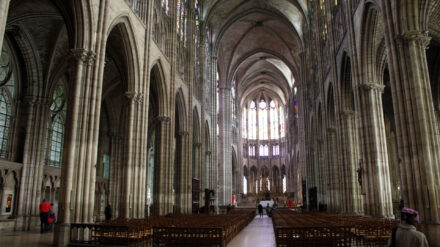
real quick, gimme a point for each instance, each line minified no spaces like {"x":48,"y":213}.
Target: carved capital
{"x":91,"y":58}
{"x":372,"y":87}
{"x":421,"y":39}
{"x":183,"y":133}
{"x":163,"y":119}
{"x":331,"y":130}
{"x":347,"y":113}
{"x":80,"y":54}
{"x":140,"y":98}
{"x":35,"y":100}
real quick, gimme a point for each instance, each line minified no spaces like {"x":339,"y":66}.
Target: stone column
{"x":77,"y":174}
{"x":128,"y":164}
{"x":351,"y":195}
{"x":225,"y":169}
{"x":183,"y":191}
{"x":418,"y":137}
{"x":163,"y":172}
{"x":33,"y":163}
{"x":4,"y":9}
{"x":372,"y":170}
{"x":333,"y":173}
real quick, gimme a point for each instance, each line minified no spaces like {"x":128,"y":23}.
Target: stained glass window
{"x":106,"y":165}
{"x":262,"y":120}
{"x":56,"y":127}
{"x":276,"y":150}
{"x":264,"y":150}
{"x":282,"y":123}
{"x":284,"y":184}
{"x":244,"y":123}
{"x":252,"y":150}
{"x":244,"y":185}
{"x":165,"y":6}
{"x":7,"y":90}
{"x":252,"y":121}
{"x":274,"y":134}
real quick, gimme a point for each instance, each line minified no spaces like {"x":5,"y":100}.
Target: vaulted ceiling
{"x":258,"y":44}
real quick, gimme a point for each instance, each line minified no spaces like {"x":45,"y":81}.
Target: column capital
{"x":183,"y":133}
{"x":347,"y":113}
{"x":80,"y":54}
{"x":197,"y":144}
{"x":163,"y":119}
{"x":36,"y":100}
{"x":91,"y":57}
{"x":331,"y":130}
{"x":421,"y":38}
{"x":372,"y":87}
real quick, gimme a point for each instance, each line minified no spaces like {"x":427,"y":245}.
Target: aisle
{"x":259,"y":233}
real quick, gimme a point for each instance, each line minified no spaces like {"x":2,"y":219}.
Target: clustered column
{"x":373,"y":171}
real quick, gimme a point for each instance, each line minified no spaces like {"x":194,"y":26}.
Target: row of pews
{"x":180,"y":230}
{"x":323,"y":229}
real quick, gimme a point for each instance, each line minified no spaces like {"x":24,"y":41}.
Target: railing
{"x":140,"y":8}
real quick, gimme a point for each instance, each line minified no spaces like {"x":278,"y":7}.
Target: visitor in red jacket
{"x":44,"y":215}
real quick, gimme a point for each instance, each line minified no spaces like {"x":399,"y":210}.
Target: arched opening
{"x":391,"y":139}
{"x":276,"y":181}
{"x":253,"y":181}
{"x":180,"y":139}
{"x":152,"y":140}
{"x":114,"y":121}
{"x":196,"y":166}
{"x":235,"y":175}
{"x":433,"y":60}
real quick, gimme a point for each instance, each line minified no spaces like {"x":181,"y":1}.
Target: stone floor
{"x":259,"y":233}
{"x":27,"y":239}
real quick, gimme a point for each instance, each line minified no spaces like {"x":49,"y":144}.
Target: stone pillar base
{"x":61,"y":235}
{"x":27,"y":223}
{"x":432,"y":232}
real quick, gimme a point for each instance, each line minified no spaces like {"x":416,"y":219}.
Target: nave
{"x":145,"y":105}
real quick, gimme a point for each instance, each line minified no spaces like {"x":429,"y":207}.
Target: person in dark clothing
{"x":260,"y":210}
{"x":44,"y":215}
{"x":108,"y":211}
{"x":268,"y":211}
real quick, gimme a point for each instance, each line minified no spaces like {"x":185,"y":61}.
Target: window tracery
{"x":56,"y":127}
{"x":7,"y":95}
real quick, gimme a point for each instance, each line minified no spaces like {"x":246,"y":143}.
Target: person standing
{"x":406,"y":235}
{"x":108,"y":211}
{"x":44,"y":215}
{"x":260,"y":210}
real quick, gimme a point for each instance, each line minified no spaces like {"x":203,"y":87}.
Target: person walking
{"x":44,"y":215}
{"x":260,"y":210}
{"x":406,"y":235}
{"x":268,"y":211}
{"x":52,"y":218}
{"x":108,"y":211}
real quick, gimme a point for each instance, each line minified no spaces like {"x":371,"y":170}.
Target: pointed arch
{"x":158,"y":88}
{"x":123,"y":27}
{"x":346,"y":86}
{"x":181,"y":111}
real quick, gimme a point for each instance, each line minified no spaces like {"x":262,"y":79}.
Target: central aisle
{"x":259,"y":233}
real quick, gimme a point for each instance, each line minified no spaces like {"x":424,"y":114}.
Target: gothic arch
{"x":158,"y":88}
{"x":181,"y":111}
{"x":124,"y":32}
{"x":346,"y":86}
